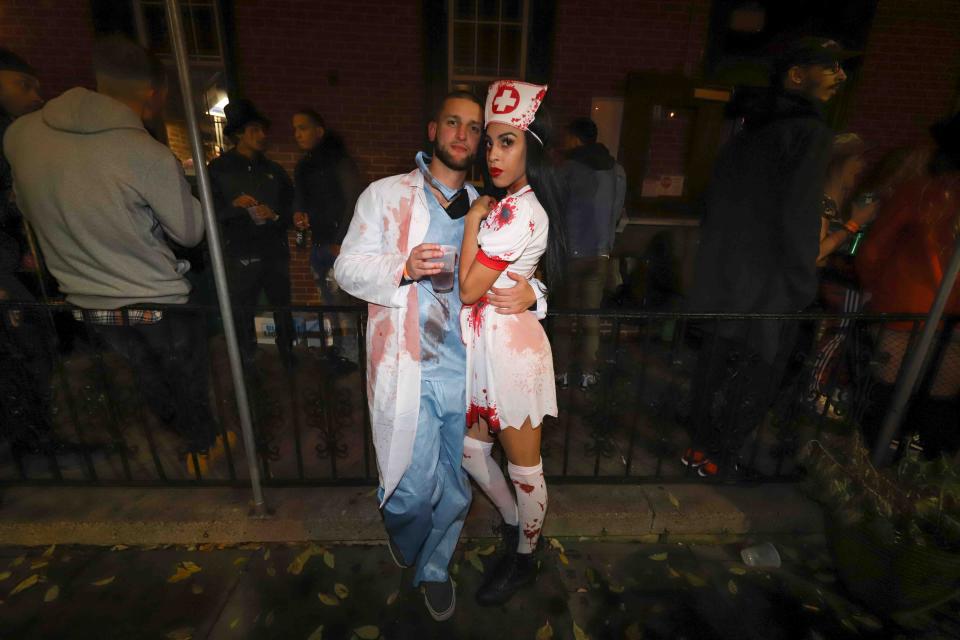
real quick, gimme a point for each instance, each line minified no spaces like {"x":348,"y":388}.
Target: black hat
{"x":811,"y":50}
{"x":240,"y":113}
{"x":9,"y":61}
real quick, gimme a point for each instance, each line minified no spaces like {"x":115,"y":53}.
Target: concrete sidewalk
{"x":188,"y":515}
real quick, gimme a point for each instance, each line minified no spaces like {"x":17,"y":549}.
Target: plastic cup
{"x":761,"y":555}
{"x":443,"y":281}
{"x":253,"y":216}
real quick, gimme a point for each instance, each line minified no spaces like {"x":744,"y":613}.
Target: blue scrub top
{"x":442,"y":352}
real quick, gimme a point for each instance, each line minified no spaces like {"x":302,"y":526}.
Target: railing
{"x":73,"y":410}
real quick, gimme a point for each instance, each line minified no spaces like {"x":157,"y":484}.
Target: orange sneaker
{"x":693,"y":458}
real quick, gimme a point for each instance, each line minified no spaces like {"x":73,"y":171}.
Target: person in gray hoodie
{"x":104,"y":198}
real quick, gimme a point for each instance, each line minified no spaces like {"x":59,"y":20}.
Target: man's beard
{"x":445,"y":158}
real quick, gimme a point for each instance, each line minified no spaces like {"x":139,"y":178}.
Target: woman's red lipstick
{"x":494,"y":172}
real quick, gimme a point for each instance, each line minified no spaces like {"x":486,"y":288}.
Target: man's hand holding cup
{"x":423,"y":261}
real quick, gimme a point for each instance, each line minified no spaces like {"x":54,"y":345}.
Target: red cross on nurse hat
{"x":514,"y":103}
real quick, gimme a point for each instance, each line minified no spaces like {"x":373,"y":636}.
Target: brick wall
{"x":358,"y":63}
{"x":55,"y":36}
{"x":911,"y":71}
{"x":598,"y":43}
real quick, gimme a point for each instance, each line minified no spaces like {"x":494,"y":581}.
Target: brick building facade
{"x":361,"y":64}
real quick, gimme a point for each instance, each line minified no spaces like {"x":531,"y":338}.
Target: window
{"x":487,"y":40}
{"x":202,"y":29}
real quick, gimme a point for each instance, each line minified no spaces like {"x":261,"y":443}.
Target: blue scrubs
{"x":425,"y":514}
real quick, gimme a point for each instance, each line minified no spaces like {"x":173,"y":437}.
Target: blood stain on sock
{"x":527,"y":488}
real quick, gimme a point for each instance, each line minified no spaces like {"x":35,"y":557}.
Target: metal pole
{"x":915,"y":361}
{"x":216,"y":252}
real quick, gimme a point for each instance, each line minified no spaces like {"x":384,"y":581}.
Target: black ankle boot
{"x":509,"y":537}
{"x":514,"y":571}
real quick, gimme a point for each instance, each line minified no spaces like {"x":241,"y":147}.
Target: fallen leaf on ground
{"x":455,"y":569}
{"x":266,"y":554}
{"x":659,"y":557}
{"x":37,"y":564}
{"x":368,"y":632}
{"x":732,"y":587}
{"x":633,"y":632}
{"x":234,"y":623}
{"x":578,"y":633}
{"x":545,"y":632}
{"x":49,"y":552}
{"x":328,"y":559}
{"x":582,"y":590}
{"x":392,"y":598}
{"x":298,"y":564}
{"x":186,"y":633}
{"x":240,"y":561}
{"x":328,"y":600}
{"x":556,"y":545}
{"x":673,"y":500}
{"x":52,"y":594}
{"x":486,"y":551}
{"x":271,"y":571}
{"x":119,"y":547}
{"x":4,"y":575}
{"x":18,"y":561}
{"x":564,"y":559}
{"x":695,"y":580}
{"x":104,"y":582}
{"x":474,"y":560}
{"x":738,"y":571}
{"x":184,"y":571}
{"x":341,"y":591}
{"x":811,"y":607}
{"x":197,"y":589}
{"x":868,"y":621}
{"x":372,"y":492}
{"x":616,"y":588}
{"x":205,"y":547}
{"x":317,"y":634}
{"x":673,"y":572}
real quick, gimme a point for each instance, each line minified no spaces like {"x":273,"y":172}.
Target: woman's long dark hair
{"x":543,"y":179}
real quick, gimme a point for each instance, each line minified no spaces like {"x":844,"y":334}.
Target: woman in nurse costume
{"x":510,"y":383}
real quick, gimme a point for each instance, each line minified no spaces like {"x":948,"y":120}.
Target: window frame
{"x":454,"y":79}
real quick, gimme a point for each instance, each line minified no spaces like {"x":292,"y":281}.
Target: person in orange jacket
{"x":901,"y":265}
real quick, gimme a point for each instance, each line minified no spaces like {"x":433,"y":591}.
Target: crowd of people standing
{"x":456,"y":281}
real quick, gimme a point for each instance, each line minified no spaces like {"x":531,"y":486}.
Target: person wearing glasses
{"x":759,"y":243}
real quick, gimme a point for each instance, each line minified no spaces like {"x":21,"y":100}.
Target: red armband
{"x":493,"y":263}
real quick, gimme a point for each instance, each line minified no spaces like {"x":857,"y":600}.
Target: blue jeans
{"x":425,"y":514}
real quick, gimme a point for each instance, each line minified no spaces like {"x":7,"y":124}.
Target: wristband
{"x":851,"y":226}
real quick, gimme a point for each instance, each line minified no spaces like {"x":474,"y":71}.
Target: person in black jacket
{"x":326,"y":185}
{"x":759,"y":243}
{"x":25,"y":342}
{"x":594,"y":187}
{"x":253,"y":197}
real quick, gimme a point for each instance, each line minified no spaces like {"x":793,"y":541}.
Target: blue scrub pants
{"x":425,"y":514}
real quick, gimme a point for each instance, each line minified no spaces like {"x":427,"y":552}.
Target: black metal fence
{"x":74,"y":410}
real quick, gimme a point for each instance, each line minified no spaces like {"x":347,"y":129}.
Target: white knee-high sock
{"x":479,"y":463}
{"x":531,"y":503}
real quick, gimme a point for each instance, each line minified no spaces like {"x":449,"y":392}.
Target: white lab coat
{"x":391,"y":218}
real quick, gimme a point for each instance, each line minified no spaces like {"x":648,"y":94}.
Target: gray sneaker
{"x":440,"y":598}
